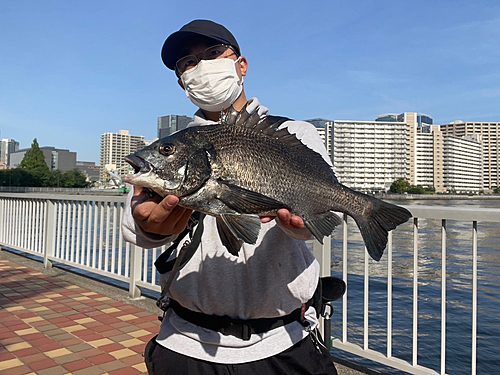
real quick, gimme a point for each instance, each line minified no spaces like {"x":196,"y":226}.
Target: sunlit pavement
{"x":50,"y":326}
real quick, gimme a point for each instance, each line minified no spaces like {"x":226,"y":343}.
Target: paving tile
{"x":42,"y":365}
{"x":122,"y":353}
{"x":34,"y":358}
{"x":67,"y":358}
{"x":20,"y":370}
{"x":125,"y":371}
{"x":101,"y":358}
{"x":26,"y":352}
{"x":17,"y":346}
{"x":56,"y":352}
{"x":10,"y":363}
{"x":77,"y":365}
{"x":4,"y":356}
{"x":58,"y":370}
{"x":112,"y":366}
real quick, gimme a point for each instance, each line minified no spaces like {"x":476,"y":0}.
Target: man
{"x":265,"y":291}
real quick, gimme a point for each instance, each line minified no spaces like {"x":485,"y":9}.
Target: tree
{"x":418,"y":189}
{"x":16,"y":177}
{"x":400,"y":186}
{"x":34,"y":163}
{"x":74,"y":179}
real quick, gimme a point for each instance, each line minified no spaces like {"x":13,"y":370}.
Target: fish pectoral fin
{"x":243,"y":200}
{"x":243,"y":227}
{"x":228,"y":239}
{"x":323,"y":225}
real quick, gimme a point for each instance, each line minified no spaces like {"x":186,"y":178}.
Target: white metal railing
{"x":84,"y":232}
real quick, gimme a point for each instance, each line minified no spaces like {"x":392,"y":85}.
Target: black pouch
{"x":329,"y":289}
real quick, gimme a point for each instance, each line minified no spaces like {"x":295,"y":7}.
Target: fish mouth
{"x":141,"y":167}
{"x":139,"y":164}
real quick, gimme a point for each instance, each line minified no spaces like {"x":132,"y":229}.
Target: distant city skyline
{"x":71,"y":71}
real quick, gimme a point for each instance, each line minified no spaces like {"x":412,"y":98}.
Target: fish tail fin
{"x":374,"y":227}
{"x":323,"y":225}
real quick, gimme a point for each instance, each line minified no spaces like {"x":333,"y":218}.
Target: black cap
{"x":174,"y":43}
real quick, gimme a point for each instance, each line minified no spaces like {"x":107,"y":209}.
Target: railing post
{"x":2,"y":216}
{"x":135,"y":271}
{"x":50,"y":232}
{"x":323,"y":253}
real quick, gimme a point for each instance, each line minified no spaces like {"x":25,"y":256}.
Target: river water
{"x":459,"y":293}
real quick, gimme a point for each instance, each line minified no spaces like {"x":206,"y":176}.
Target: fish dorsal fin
{"x":269,"y":125}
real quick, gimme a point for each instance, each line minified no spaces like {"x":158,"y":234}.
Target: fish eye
{"x":167,"y":149}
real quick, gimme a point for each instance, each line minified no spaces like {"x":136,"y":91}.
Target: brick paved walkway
{"x":51,"y":327}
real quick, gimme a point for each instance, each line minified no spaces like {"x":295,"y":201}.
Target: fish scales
{"x":247,"y":166}
{"x":259,"y":163}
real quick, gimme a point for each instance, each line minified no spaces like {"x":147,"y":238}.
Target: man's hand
{"x":286,"y":219}
{"x":157,"y":215}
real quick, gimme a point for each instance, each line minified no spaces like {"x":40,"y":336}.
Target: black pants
{"x":302,"y":358}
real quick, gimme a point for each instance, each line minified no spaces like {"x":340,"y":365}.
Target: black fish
{"x":246,"y":167}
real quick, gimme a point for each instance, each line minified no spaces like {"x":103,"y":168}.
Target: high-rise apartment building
{"x":489,"y":133}
{"x":462,"y":164}
{"x":7,"y":147}
{"x":172,"y":123}
{"x":427,"y":152}
{"x":114,"y":148}
{"x":370,"y":155}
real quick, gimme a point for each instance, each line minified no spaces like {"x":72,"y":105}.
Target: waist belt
{"x":239,"y":327}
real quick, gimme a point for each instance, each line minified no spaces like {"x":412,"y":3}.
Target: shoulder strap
{"x":162,"y":263}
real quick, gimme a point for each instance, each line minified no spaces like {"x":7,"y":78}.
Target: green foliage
{"x":34,"y":160}
{"x":21,"y":177}
{"x":73,"y":178}
{"x":415,"y":189}
{"x":400,"y":186}
{"x":34,"y":163}
{"x":17,"y":177}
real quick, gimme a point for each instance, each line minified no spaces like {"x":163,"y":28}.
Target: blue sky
{"x":73,"y":70}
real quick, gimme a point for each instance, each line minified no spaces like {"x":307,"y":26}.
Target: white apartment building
{"x":463,"y":164}
{"x":369,"y":155}
{"x":428,"y":151}
{"x":114,"y":148}
{"x":489,"y":133}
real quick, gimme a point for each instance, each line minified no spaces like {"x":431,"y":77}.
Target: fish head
{"x":175,"y":165}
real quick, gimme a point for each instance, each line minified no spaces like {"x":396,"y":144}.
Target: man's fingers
{"x":163,"y":209}
{"x":183,"y":221}
{"x":284,"y":216}
{"x":297,"y":222}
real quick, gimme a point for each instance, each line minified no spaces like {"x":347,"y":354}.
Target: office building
{"x":7,"y":147}
{"x":55,"y":158}
{"x":89,"y":169}
{"x":114,"y":148}
{"x":171,"y":123}
{"x":489,"y":133}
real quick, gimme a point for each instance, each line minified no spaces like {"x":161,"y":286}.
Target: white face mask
{"x":213,"y":85}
